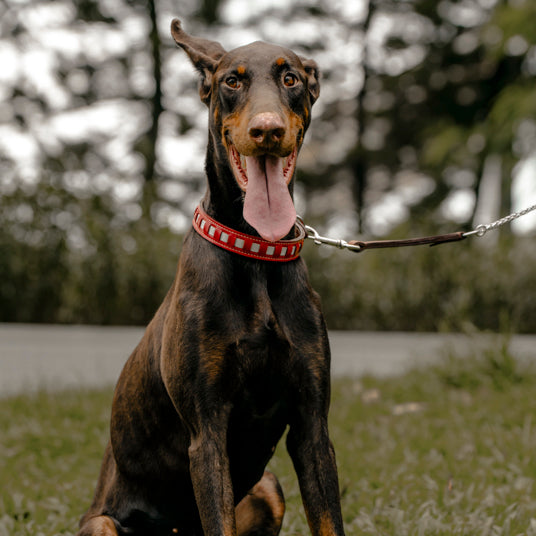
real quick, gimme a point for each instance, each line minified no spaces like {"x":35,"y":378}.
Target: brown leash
{"x":359,"y":245}
{"x":422,"y":241}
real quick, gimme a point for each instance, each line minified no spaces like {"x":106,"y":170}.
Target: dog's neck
{"x":246,"y":245}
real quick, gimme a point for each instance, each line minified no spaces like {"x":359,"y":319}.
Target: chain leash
{"x":482,"y":229}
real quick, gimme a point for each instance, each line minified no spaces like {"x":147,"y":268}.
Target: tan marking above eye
{"x":280,"y":61}
{"x":241,"y":69}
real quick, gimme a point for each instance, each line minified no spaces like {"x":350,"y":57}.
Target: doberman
{"x":238,"y":350}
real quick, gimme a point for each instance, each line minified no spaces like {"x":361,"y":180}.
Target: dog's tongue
{"x":268,"y":207}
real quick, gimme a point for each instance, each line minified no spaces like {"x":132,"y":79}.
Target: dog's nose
{"x":266,"y":128}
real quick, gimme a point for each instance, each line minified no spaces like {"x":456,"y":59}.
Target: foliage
{"x":446,"y":86}
{"x":124,"y":269}
{"x":99,"y":270}
{"x":453,"y":287}
{"x":493,"y":368}
{"x":102,"y":139}
{"x":417,"y":454}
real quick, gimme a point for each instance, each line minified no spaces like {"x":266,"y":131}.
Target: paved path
{"x":56,"y":357}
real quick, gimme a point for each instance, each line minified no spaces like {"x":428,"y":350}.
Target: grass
{"x":449,"y":450}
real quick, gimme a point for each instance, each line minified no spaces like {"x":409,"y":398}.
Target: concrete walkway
{"x":56,"y":357}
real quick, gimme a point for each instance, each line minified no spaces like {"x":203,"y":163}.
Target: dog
{"x":238,"y":351}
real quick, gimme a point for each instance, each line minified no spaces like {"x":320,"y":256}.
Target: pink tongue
{"x":268,"y":206}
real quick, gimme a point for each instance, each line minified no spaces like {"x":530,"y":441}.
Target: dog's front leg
{"x":313,"y":456}
{"x":211,"y":478}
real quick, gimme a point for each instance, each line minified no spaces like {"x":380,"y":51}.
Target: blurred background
{"x":426,"y":124}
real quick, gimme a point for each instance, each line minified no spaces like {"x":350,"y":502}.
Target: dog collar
{"x":248,"y":245}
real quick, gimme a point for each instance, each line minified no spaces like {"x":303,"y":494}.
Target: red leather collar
{"x":248,"y":245}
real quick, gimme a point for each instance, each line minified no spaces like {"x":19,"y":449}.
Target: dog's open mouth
{"x":268,"y":206}
{"x":239,"y":163}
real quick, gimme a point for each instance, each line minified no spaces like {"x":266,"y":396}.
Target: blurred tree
{"x":480,"y":92}
{"x":445,"y":87}
{"x":80,"y":109}
{"x":102,"y":134}
{"x":209,"y":11}
{"x":86,"y":88}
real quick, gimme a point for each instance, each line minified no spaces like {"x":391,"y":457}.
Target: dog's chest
{"x":260,"y":348}
{"x":260,"y":362}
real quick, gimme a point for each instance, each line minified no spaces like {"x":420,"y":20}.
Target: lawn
{"x":448,"y":450}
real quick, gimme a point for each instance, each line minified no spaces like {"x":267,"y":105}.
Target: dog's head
{"x":260,"y":98}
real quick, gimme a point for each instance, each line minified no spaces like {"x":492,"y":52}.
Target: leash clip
{"x":314,"y":235}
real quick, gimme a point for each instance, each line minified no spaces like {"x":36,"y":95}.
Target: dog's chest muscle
{"x":261,"y":353}
{"x":262,"y":340}
{"x":243,"y":330}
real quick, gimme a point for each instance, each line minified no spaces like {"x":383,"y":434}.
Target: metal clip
{"x":319,"y":240}
{"x":479,"y":231}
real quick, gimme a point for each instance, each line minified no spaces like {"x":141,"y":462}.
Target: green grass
{"x":450,"y":450}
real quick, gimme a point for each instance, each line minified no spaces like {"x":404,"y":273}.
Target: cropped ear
{"x":203,"y":53}
{"x":313,"y":78}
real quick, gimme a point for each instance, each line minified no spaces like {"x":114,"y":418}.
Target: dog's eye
{"x":290,"y":79}
{"x":232,"y":82}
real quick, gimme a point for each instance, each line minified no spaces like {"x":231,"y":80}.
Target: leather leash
{"x":422,"y":241}
{"x":359,"y":245}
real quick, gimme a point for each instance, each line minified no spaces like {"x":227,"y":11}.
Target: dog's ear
{"x":203,"y":53}
{"x":313,"y":78}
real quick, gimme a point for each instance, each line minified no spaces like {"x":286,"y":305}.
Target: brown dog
{"x":238,"y":350}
